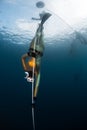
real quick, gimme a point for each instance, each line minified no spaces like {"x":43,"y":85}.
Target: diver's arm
{"x":24,"y":61}
{"x":37,"y":84}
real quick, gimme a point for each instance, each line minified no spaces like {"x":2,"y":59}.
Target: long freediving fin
{"x":45,"y":17}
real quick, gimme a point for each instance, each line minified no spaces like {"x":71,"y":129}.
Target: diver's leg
{"x":32,"y":44}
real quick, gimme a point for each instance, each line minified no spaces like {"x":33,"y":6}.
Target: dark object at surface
{"x":40,"y":4}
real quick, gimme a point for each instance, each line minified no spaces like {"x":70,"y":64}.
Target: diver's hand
{"x":29,"y":79}
{"x":27,"y":75}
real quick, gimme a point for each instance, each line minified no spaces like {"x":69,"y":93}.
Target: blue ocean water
{"x":62,"y":97}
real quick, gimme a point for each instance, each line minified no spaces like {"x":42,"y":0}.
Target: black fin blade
{"x":45,"y":17}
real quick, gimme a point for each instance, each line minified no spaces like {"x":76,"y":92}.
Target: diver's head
{"x":30,"y":74}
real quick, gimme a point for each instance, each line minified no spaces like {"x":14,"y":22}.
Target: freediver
{"x":34,"y":55}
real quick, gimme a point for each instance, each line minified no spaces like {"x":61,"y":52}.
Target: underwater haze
{"x":62,"y":98}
